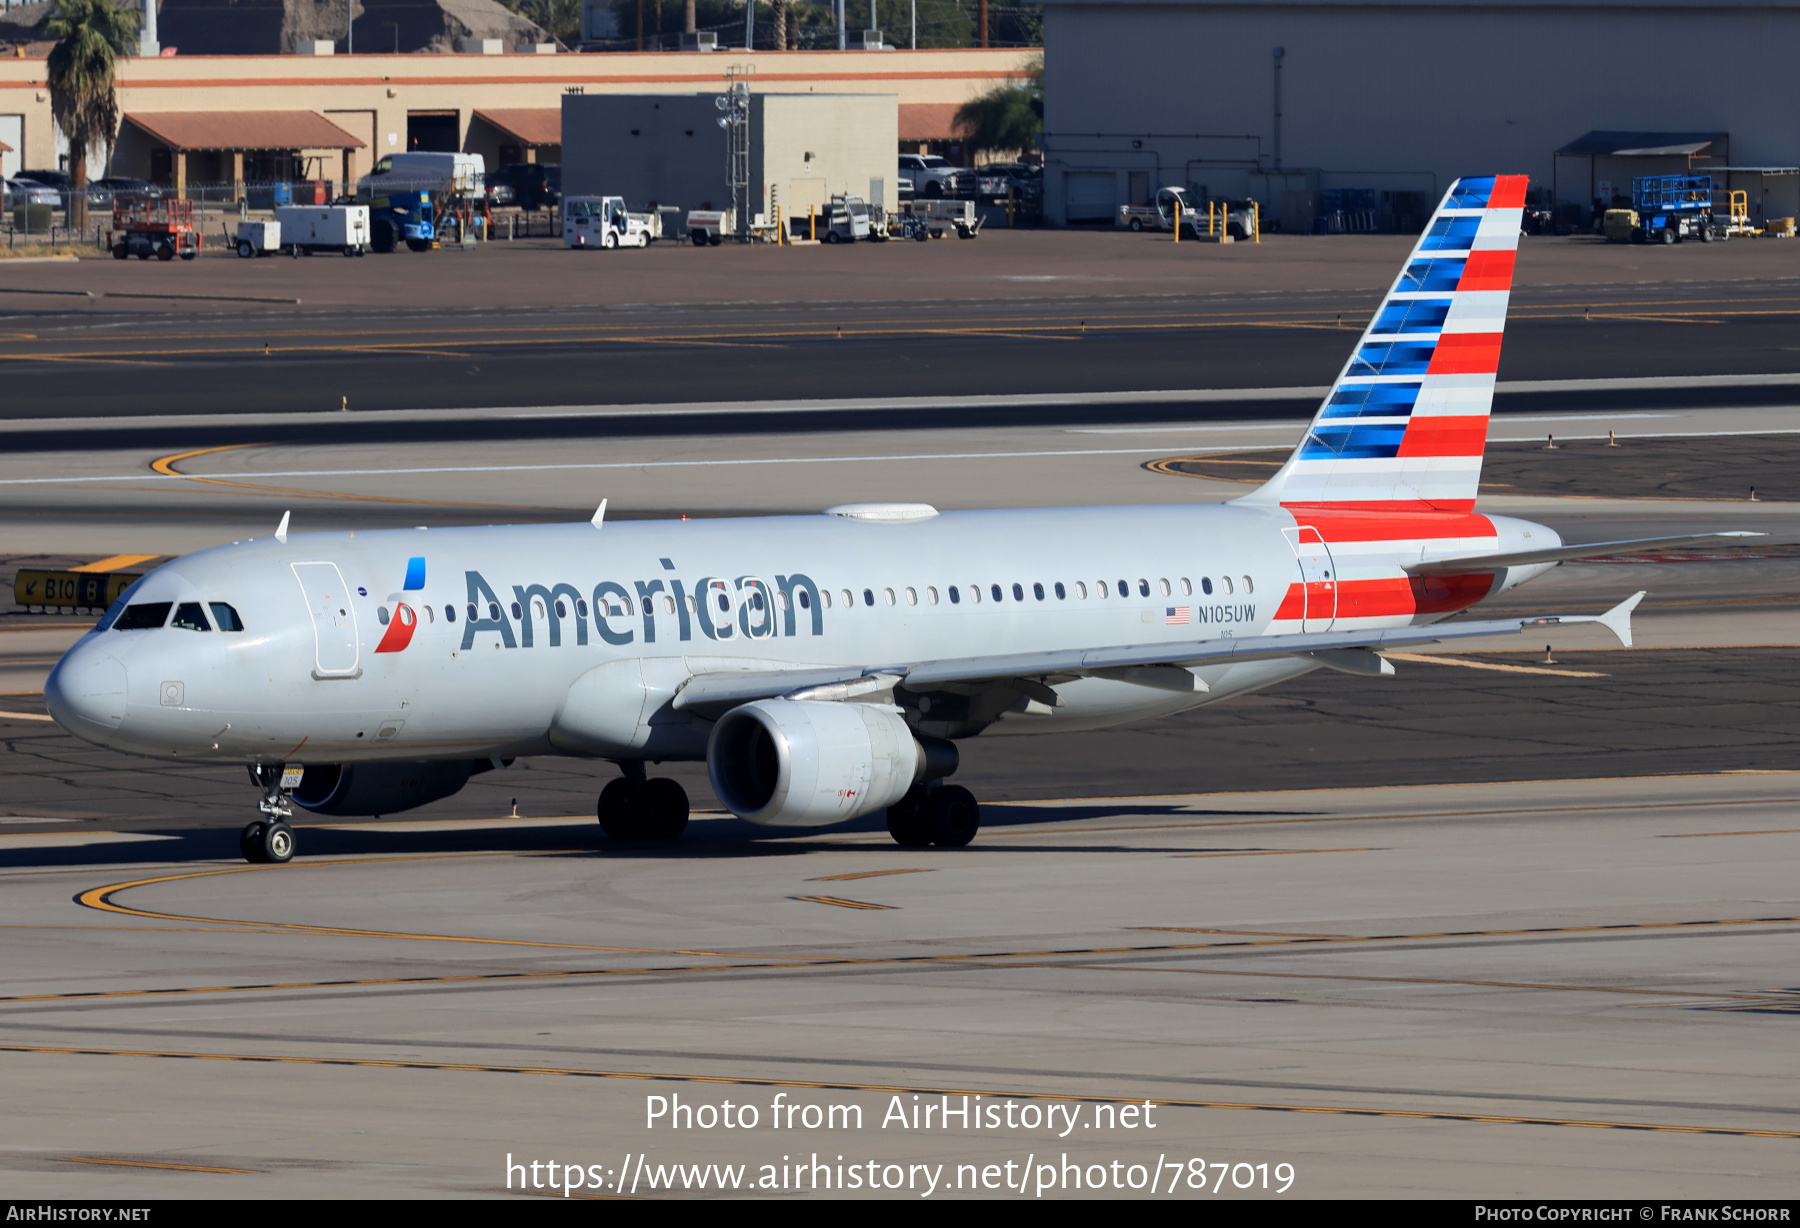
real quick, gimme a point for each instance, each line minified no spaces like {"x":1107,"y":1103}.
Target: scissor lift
{"x":1670,"y":208}
{"x":160,"y":227}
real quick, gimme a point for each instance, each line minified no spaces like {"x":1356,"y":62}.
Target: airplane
{"x":829,"y":666}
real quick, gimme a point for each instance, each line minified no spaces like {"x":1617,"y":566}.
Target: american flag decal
{"x":1177,"y":616}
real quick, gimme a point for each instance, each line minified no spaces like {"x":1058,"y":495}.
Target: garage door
{"x":1090,"y":196}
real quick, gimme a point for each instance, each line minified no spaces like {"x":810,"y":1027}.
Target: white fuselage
{"x":326,"y":670}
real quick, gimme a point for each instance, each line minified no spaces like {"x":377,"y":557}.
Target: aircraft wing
{"x":1562,"y":554}
{"x":1132,"y":662}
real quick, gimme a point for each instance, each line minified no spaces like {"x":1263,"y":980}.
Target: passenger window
{"x":1206,"y":585}
{"x":1164,"y":585}
{"x":1227,"y":581}
{"x":225,"y":618}
{"x":975,"y":594}
{"x":516,"y":611}
{"x":190,"y":617}
{"x":581,"y":609}
{"x":824,"y":598}
{"x":494,"y":611}
{"x":668,"y":604}
{"x":849,"y":601}
{"x":473,"y":613}
{"x":449,"y":613}
{"x":724,"y":603}
{"x":1187,"y":587}
{"x":1081,"y":589}
{"x":429,"y":616}
{"x":381,"y":615}
{"x":1248,"y":586}
{"x":868,"y":596}
{"x":1124,"y":589}
{"x":693,"y":607}
{"x":998,"y":595}
{"x":1037,"y":590}
{"x":931,"y":595}
{"x":1102,"y":590}
{"x":562,"y":611}
{"x":538,"y":608}
{"x":1018,"y":591}
{"x":912,"y":596}
{"x":1061,"y":593}
{"x":889,"y":594}
{"x":144,"y":617}
{"x":955,"y":596}
{"x":756,"y":599}
{"x":1143,"y":587}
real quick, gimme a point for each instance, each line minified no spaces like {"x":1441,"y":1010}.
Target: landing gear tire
{"x":952,"y":816}
{"x":647,"y":810}
{"x":277,"y":844}
{"x":250,"y":842}
{"x":617,"y":814}
{"x":662,"y":809}
{"x":906,"y":820}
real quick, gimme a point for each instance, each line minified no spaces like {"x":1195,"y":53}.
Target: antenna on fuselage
{"x":600,"y":515}
{"x":281,"y":529}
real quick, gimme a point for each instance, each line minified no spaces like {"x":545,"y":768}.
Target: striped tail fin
{"x":1405,"y":425}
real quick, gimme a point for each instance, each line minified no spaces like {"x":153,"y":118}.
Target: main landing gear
{"x":269,"y":840}
{"x":934,"y":813}
{"x":633,"y":808}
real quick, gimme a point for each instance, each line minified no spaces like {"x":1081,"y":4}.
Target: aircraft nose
{"x":86,"y":693}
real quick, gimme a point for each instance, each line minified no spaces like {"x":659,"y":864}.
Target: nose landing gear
{"x":269,"y":840}
{"x":635,"y":808}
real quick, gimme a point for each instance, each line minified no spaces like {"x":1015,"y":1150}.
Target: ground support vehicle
{"x":257,"y":239}
{"x":323,"y":228}
{"x":907,"y":226}
{"x":402,"y":216}
{"x":603,"y":222}
{"x":1170,"y":204}
{"x":1670,"y":208}
{"x":960,"y":214}
{"x":161,"y":228}
{"x":844,"y":219}
{"x":710,"y":226}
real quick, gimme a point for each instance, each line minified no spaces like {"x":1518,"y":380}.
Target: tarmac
{"x":1513,"y":923}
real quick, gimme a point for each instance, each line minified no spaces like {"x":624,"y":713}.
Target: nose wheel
{"x":633,"y":808}
{"x":269,"y":840}
{"x":265,"y":843}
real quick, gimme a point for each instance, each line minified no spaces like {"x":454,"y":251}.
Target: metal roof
{"x":526,"y":125}
{"x":247,"y":130}
{"x":1643,"y":144}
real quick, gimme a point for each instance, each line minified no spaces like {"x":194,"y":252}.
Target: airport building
{"x":186,"y":119}
{"x":1368,"y":110}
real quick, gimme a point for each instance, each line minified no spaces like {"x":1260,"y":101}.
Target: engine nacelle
{"x":803,"y":763}
{"x":356,"y":790}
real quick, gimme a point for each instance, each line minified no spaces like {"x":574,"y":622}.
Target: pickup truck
{"x":934,"y":178}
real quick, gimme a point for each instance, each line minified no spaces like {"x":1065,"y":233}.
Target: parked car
{"x":50,"y":179}
{"x":22,"y":191}
{"x":933,"y":177}
{"x":995,"y":180}
{"x":529,"y":185}
{"x":102,"y":191}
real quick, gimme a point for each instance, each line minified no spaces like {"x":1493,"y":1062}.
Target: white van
{"x":459,"y":173}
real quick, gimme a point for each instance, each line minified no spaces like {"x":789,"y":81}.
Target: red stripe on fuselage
{"x":1359,"y":522}
{"x":1386,"y":597}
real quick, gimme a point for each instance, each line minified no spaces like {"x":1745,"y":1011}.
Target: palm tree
{"x":1007,"y":117}
{"x":90,"y":35}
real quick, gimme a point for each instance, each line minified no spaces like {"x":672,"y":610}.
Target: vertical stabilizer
{"x":1405,"y":425}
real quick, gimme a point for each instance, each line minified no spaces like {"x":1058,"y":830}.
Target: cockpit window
{"x":118,"y":606}
{"x":144,"y":617}
{"x":225,"y":617}
{"x":190,"y":617}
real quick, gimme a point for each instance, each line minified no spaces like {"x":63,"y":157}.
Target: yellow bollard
{"x":1256,"y":222}
{"x":1178,"y":221}
{"x":812,"y":222}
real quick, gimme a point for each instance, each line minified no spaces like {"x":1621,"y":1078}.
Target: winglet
{"x":281,"y":529}
{"x":1618,"y":619}
{"x":599,"y":515}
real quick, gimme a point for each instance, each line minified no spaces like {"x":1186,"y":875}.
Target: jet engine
{"x":361,"y":789}
{"x":804,"y":763}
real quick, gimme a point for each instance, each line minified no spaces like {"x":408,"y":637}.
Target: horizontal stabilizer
{"x":1564,"y":554}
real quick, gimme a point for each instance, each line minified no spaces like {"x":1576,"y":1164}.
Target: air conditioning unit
{"x":865,"y":40}
{"x":314,"y":46}
{"x":704,"y":40}
{"x":483,"y":46}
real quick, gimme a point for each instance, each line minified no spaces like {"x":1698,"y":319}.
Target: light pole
{"x":396,"y":26}
{"x":349,"y":27}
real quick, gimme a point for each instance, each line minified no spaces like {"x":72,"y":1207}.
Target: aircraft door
{"x":333,"y":620}
{"x":1317,"y":583}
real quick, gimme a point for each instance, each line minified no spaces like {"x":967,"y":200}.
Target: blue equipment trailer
{"x":1670,"y":208}
{"x":397,"y":217}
